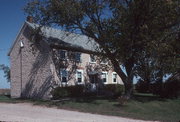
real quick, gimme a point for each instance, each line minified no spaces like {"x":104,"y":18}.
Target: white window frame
{"x":106,"y":77}
{"x":82,"y":76}
{"x":90,"y":59}
{"x":61,"y":69}
{"x":113,"y":76}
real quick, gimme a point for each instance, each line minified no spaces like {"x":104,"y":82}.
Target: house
{"x":56,"y":58}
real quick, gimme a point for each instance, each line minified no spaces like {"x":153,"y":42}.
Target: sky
{"x":12,"y":17}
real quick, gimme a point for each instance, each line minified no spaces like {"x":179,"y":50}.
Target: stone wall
{"x":31,"y":76}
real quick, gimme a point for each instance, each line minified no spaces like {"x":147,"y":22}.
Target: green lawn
{"x":141,"y":107}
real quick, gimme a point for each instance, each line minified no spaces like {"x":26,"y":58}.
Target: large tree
{"x":126,"y":30}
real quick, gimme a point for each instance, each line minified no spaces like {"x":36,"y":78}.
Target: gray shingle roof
{"x":66,"y":38}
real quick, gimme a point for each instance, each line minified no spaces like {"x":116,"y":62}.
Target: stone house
{"x":56,"y":58}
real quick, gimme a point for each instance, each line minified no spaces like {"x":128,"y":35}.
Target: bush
{"x":156,"y":88}
{"x":68,"y":91}
{"x":171,"y":88}
{"x":168,"y":89}
{"x":60,"y":92}
{"x":75,"y":91}
{"x":114,"y":89}
{"x":142,"y":87}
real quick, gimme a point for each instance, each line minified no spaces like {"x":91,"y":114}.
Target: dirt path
{"x":30,"y":113}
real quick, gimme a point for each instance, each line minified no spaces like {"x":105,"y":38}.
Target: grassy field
{"x":146,"y":107}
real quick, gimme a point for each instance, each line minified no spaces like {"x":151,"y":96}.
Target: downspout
{"x":21,"y":46}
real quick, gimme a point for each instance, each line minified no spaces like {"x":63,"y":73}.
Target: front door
{"x":93,"y":78}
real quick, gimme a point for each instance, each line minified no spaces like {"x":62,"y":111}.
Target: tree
{"x":6,"y":71}
{"x":124,"y":29}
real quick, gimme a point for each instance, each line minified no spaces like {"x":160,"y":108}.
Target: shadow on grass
{"x":91,"y":100}
{"x":147,"y":98}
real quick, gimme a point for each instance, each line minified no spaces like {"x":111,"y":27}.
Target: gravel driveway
{"x":31,"y":113}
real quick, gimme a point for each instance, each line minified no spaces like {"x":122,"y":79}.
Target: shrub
{"x":171,"y":88}
{"x":75,"y":91}
{"x":68,"y":91}
{"x":114,"y":89}
{"x":157,"y":87}
{"x":168,"y":89}
{"x":142,"y":87}
{"x":60,"y":92}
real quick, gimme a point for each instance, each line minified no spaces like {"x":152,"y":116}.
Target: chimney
{"x":29,"y":19}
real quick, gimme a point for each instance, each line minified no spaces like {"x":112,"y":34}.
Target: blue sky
{"x":12,"y":17}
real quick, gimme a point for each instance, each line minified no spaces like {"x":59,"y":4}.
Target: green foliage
{"x":68,"y":91}
{"x":6,"y":70}
{"x":168,"y":89}
{"x":171,"y":88}
{"x":142,"y":87}
{"x":60,"y":92}
{"x":115,"y":89}
{"x":109,"y":90}
{"x":75,"y":91}
{"x":157,"y":87}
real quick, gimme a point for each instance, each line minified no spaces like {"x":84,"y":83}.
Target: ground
{"x":28,"y":112}
{"x":141,"y":107}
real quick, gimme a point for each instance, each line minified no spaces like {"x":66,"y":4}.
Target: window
{"x":92,"y":59}
{"x":63,"y":54}
{"x":104,"y":77}
{"x":78,"y":56}
{"x":64,"y":75}
{"x":74,"y":56}
{"x":104,"y":61}
{"x":79,"y":76}
{"x":114,"y":77}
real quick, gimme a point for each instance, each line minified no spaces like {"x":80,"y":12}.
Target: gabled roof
{"x":15,"y":41}
{"x":61,"y":38}
{"x":64,"y":38}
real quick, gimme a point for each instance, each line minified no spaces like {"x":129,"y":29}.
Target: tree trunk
{"x":126,"y":79}
{"x":128,"y":85}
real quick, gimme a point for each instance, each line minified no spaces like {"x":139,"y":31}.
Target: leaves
{"x":6,"y":71}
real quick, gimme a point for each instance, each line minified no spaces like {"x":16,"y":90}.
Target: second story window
{"x":104,"y":61}
{"x":63,"y":54}
{"x":92,"y":59}
{"x":78,"y":57}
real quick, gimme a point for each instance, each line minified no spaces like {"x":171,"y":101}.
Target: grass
{"x":146,"y":107}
